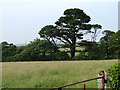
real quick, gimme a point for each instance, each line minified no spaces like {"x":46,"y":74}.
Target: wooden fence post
{"x":84,"y":86}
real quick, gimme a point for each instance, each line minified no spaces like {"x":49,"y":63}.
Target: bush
{"x":80,"y":56}
{"x":114,"y":72}
{"x":61,"y":55}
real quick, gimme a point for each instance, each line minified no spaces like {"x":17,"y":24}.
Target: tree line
{"x":71,"y":27}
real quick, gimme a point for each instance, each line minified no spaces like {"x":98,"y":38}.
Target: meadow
{"x":49,"y":74}
{"x":78,"y":48}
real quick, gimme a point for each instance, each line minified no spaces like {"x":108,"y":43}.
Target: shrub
{"x":114,"y":72}
{"x":60,"y":55}
{"x":80,"y":56}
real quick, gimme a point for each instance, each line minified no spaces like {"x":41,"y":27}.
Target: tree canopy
{"x":71,"y":26}
{"x":8,"y":50}
{"x":114,"y":44}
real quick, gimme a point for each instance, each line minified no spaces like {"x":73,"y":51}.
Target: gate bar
{"x":60,"y":88}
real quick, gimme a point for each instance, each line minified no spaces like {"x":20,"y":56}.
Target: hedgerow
{"x":114,"y":72}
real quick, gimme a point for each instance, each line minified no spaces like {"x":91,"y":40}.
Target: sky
{"x":119,"y":15}
{"x":21,"y":20}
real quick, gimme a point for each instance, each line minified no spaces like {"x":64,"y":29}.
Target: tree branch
{"x":62,"y":40}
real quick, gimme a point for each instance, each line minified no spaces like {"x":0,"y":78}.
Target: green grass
{"x":77,"y":48}
{"x":68,"y":49}
{"x":52,"y":73}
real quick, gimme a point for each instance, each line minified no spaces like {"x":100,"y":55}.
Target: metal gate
{"x":101,"y":73}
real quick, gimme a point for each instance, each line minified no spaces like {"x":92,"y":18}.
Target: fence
{"x":101,"y":73}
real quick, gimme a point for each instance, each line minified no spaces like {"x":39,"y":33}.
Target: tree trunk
{"x":43,"y":53}
{"x":55,"y":48}
{"x":72,"y":51}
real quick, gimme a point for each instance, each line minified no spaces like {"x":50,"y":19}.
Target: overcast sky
{"x":21,"y":20}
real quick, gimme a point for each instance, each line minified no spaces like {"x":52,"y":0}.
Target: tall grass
{"x":51,"y":73}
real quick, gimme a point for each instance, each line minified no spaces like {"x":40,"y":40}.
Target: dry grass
{"x":51,"y":73}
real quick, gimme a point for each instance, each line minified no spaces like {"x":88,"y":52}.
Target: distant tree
{"x":20,"y":49}
{"x":70,"y":27}
{"x":105,"y":42}
{"x":95,"y":32}
{"x":114,"y":44}
{"x":8,"y":50}
{"x":102,"y":51}
{"x":36,"y":50}
{"x":107,"y":35}
{"x":91,"y":49}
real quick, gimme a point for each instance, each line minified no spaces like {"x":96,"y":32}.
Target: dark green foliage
{"x":61,"y":55}
{"x":114,"y":72}
{"x":102,"y":51}
{"x":81,"y":56}
{"x":36,"y":50}
{"x":8,"y":50}
{"x":69,"y":28}
{"x":91,"y":51}
{"x":108,"y":48}
{"x":20,"y":49}
{"x":108,"y":34}
{"x":105,"y":44}
{"x":114,"y":44}
{"x":43,"y":50}
{"x":110,"y":45}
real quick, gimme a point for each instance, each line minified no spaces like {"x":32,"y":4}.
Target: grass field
{"x":51,"y":74}
{"x":68,"y":49}
{"x":77,"y":48}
